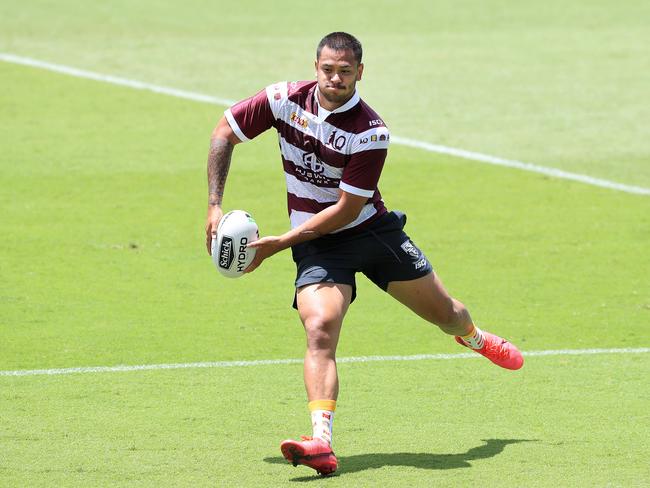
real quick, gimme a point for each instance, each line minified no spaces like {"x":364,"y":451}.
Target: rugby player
{"x":333,"y":148}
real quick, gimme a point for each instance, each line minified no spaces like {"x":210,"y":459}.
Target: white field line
{"x":427,"y":146}
{"x":267,"y":362}
{"x":509,"y":163}
{"x":115,"y":80}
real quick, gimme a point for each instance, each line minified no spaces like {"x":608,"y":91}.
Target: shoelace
{"x":306,"y":438}
{"x":499,"y":350}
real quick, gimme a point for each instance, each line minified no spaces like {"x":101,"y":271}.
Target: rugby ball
{"x":229,"y":252}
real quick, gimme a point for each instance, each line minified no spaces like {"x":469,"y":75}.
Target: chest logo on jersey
{"x":311,"y":162}
{"x":298,"y":120}
{"x":336,"y":141}
{"x":312,"y":170}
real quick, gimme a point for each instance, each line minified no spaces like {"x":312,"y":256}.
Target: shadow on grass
{"x":362,"y":462}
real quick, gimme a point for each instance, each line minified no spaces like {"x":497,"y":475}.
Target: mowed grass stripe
{"x":575,"y":420}
{"x":426,"y":146}
{"x":266,"y":362}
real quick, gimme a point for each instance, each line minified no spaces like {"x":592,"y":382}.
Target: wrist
{"x":214,"y":200}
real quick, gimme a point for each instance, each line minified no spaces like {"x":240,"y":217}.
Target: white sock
{"x":321,"y":422}
{"x":474,"y":339}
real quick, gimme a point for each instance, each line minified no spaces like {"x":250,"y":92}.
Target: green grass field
{"x":102,"y":258}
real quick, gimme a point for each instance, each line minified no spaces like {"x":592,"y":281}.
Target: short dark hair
{"x":341,"y":41}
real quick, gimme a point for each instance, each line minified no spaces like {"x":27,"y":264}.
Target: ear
{"x":316,"y":67}
{"x":359,"y":71}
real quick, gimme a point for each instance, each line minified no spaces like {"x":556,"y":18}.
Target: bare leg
{"x":428,"y":298}
{"x":322,"y":307}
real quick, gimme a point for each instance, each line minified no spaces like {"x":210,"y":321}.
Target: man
{"x":333,"y":148}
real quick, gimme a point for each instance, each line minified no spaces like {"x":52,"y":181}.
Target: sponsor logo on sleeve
{"x":382,"y":137}
{"x":277,"y":91}
{"x":373,"y":138}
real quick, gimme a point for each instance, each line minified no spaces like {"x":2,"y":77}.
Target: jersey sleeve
{"x":250,"y":117}
{"x":361,"y":173}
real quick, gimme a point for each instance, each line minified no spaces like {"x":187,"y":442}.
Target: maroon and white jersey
{"x":322,"y":151}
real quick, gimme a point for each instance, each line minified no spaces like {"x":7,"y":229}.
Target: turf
{"x":563,"y":85}
{"x":103,"y":261}
{"x":222,"y":427}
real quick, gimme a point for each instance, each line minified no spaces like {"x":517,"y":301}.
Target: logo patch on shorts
{"x":409,"y":248}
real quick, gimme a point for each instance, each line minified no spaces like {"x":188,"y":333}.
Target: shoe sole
{"x":295,"y":455}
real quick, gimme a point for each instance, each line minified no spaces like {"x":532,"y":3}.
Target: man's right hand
{"x":214,"y":216}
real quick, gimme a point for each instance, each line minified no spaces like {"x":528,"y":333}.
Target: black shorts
{"x":381,"y":251}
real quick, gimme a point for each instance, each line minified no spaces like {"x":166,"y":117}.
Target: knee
{"x":321,"y":333}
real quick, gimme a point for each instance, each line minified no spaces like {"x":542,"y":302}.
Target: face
{"x":337,"y":73}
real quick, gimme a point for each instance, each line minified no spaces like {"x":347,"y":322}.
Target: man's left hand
{"x":265,"y":247}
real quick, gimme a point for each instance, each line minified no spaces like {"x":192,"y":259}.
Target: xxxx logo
{"x":298,"y":120}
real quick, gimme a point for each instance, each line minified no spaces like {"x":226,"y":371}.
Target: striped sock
{"x":474,"y":339}
{"x":322,"y":418}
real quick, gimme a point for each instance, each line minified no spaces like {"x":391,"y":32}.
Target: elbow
{"x":223,"y":131}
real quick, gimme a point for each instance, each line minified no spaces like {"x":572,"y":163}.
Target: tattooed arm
{"x":221,"y":145}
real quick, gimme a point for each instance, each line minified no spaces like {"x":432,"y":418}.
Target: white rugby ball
{"x":236,"y":230}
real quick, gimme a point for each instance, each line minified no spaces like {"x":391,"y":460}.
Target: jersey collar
{"x":343,"y":108}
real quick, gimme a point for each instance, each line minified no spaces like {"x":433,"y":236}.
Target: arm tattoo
{"x":218,"y":166}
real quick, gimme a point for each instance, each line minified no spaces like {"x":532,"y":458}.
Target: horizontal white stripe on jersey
{"x":303,"y":189}
{"x":296,"y":155}
{"x":235,"y":126}
{"x":331,"y":136}
{"x":341,"y":141}
{"x":375,"y":138}
{"x":356,"y":191}
{"x":298,"y":217}
{"x":367,"y":211}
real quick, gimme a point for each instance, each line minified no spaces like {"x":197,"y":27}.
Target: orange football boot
{"x":499,"y":351}
{"x":315,"y":453}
